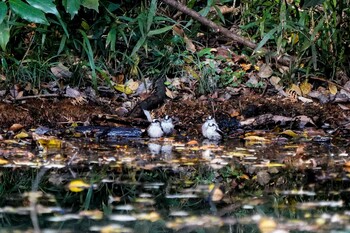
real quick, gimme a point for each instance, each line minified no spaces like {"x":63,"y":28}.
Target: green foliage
{"x":101,"y":38}
{"x":317,"y":37}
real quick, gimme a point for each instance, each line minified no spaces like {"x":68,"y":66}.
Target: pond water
{"x":260,"y":183}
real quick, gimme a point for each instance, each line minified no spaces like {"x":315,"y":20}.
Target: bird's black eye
{"x":166,"y":117}
{"x":210,"y":118}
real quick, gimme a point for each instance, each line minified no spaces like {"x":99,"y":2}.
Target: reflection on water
{"x":272,"y":185}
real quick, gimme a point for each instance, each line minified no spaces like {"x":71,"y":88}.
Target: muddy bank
{"x":56,"y":113}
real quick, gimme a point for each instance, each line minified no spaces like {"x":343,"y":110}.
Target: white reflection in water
{"x":154,"y":148}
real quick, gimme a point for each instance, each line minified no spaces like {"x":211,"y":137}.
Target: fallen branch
{"x":219,"y":29}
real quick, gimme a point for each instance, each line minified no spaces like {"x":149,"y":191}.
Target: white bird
{"x":167,"y":125}
{"x":213,"y":132}
{"x":155,"y":130}
{"x":209,"y":120}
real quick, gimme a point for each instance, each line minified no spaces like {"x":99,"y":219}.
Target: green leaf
{"x":111,"y":39}
{"x":47,"y":6}
{"x":266,"y":38}
{"x":221,"y":16}
{"x":88,"y":49}
{"x":91,"y":4}
{"x":160,"y":30}
{"x":63,"y":24}
{"x":28,"y":12}
{"x":4,"y":35}
{"x":203,"y":52}
{"x":71,"y":6}
{"x":3,"y":11}
{"x":151,"y":13}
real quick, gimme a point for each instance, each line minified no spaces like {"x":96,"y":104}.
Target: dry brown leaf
{"x":61,"y":71}
{"x":189,"y":44}
{"x":265,"y":71}
{"x":169,"y":93}
{"x":192,"y":142}
{"x":16,"y":127}
{"x":178,"y":31}
{"x":71,"y":92}
{"x":246,"y":67}
{"x":217,"y":194}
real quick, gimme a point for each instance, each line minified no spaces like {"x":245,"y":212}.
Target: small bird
{"x":213,"y":132}
{"x":167,"y":125}
{"x":155,"y":130}
{"x":209,"y":120}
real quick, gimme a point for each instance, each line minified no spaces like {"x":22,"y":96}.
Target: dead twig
{"x":219,"y":29}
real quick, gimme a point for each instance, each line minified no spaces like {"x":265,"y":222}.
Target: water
{"x":262,"y":184}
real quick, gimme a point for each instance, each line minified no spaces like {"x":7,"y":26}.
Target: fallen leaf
{"x":263,"y":177}
{"x":169,"y":93}
{"x":78,"y":186}
{"x":192,"y":142}
{"x":305,"y":87}
{"x":132,"y":85}
{"x":256,"y":138}
{"x":189,"y":44}
{"x":50,"y":142}
{"x":246,"y":67}
{"x":61,"y":71}
{"x":16,"y":127}
{"x":267,"y":225}
{"x":332,"y":88}
{"x":296,"y":88}
{"x":290,"y":133}
{"x":123,"y":88}
{"x":305,"y":100}
{"x":21,"y":135}
{"x":3,"y":161}
{"x":265,"y":71}
{"x":217,"y":194}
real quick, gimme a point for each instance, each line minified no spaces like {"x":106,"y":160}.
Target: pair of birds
{"x":210,"y":128}
{"x":159,"y":128}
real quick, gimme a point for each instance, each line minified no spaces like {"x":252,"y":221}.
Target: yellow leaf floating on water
{"x":152,"y":216}
{"x":267,"y":225}
{"x":93,"y":214}
{"x":256,"y":138}
{"x":3,"y":161}
{"x":78,"y":186}
{"x":123,"y":88}
{"x":305,"y":87}
{"x":290,"y":133}
{"x":50,"y":142}
{"x":332,"y":88}
{"x":22,"y":135}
